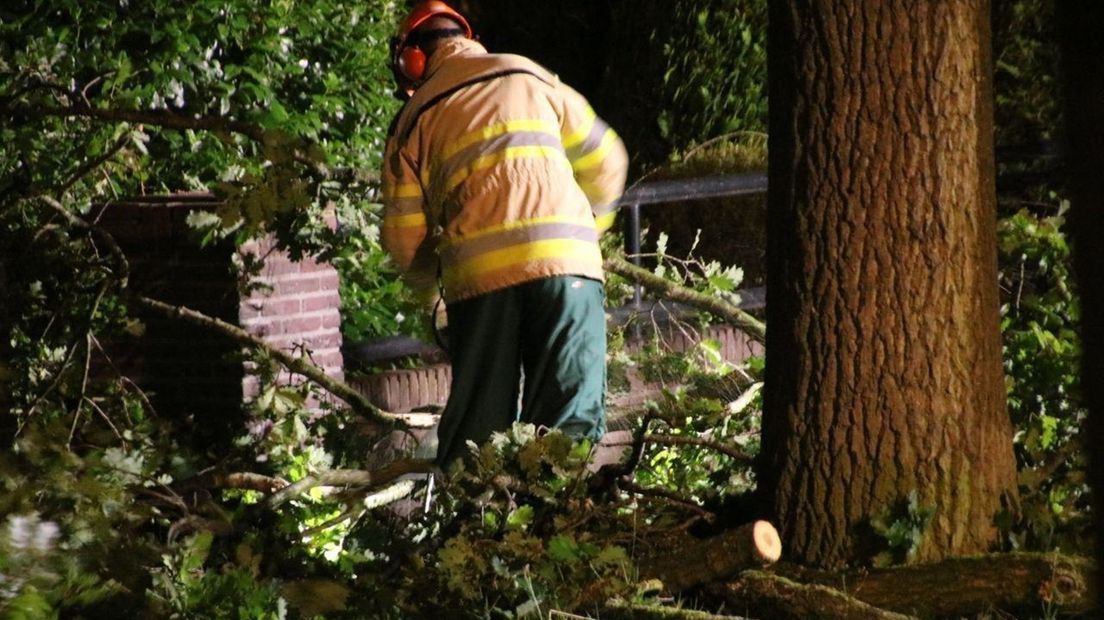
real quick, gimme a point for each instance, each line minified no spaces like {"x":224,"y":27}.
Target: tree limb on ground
{"x":654,"y":612}
{"x":776,"y":597}
{"x":352,"y":478}
{"x":298,"y":365}
{"x":970,"y":585}
{"x":670,"y":290}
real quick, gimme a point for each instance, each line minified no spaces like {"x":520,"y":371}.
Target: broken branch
{"x":670,"y":290}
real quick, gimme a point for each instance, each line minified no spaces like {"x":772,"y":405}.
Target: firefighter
{"x":497,"y":181}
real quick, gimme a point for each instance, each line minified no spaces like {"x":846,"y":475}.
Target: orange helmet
{"x":408,"y":61}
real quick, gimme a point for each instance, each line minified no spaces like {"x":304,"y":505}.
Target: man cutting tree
{"x":497,"y":181}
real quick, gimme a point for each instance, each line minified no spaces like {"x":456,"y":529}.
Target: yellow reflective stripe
{"x":514,"y":255}
{"x":513,"y":152}
{"x":536,"y":221}
{"x":581,"y":132}
{"x":604,"y":222}
{"x":596,"y":156}
{"x":402,"y":190}
{"x":404,"y":221}
{"x":539,"y":125}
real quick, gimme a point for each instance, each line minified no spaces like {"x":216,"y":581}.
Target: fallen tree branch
{"x":628,"y":611}
{"x":240,"y":480}
{"x":751,"y":545}
{"x":773,"y":596}
{"x":298,"y":365}
{"x":971,"y":585}
{"x":353,"y":478}
{"x":670,"y":290}
{"x":669,"y":496}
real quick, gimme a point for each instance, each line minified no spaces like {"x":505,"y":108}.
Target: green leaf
{"x":520,"y":517}
{"x":563,"y":548}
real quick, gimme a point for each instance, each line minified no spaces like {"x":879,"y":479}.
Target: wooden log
{"x":653,"y":612}
{"x":770,"y":596}
{"x":692,"y":562}
{"x":1012,"y":582}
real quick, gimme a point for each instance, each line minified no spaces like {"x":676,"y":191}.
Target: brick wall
{"x":297,"y":310}
{"x":194,"y":374}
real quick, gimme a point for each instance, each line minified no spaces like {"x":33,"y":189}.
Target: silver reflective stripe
{"x":404,"y":206}
{"x":466,"y":157}
{"x":600,"y":210}
{"x":467,"y":249}
{"x":592,"y":141}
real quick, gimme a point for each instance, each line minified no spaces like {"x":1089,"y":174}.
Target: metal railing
{"x":682,"y":190}
{"x":642,"y":194}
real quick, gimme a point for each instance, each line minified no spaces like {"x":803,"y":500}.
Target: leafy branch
{"x":676,"y":292}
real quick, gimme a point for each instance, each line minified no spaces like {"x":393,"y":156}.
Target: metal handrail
{"x":681,"y":190}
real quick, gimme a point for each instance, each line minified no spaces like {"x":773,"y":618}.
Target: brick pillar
{"x":197,"y":375}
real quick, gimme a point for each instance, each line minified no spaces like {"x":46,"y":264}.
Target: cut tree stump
{"x":750,"y":545}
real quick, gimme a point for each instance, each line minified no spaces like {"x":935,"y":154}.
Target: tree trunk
{"x":1081,"y":25}
{"x":883,"y":376}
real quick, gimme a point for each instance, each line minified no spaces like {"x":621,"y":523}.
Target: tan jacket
{"x":499,"y":171}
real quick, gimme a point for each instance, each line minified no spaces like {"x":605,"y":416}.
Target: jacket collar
{"x":450,"y":48}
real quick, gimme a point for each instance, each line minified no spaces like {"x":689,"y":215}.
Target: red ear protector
{"x":408,"y":60}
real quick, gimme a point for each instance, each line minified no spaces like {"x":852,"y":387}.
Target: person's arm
{"x":597,"y":156}
{"x":404,"y":233}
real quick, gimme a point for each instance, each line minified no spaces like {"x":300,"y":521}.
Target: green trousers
{"x":553,"y":330}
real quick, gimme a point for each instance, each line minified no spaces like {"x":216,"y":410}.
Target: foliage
{"x":705,"y":94}
{"x":1041,"y":357}
{"x":902,"y":530}
{"x":279,"y":109}
{"x":519,"y":533}
{"x":1026,"y":71}
{"x":680,"y":73}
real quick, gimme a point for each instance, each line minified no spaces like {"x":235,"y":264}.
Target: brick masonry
{"x":192,"y":373}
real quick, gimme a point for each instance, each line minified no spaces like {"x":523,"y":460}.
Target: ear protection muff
{"x":408,"y":60}
{"x":411,"y":63}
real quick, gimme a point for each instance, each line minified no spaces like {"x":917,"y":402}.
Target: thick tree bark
{"x":883,"y":374}
{"x":1081,"y":28}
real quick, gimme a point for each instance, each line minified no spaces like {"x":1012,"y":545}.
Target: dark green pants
{"x":554,"y":329}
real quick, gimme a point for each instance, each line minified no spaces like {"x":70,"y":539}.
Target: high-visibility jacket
{"x":496,"y":173}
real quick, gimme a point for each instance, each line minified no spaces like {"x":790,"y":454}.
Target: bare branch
{"x":159,"y":118}
{"x":77,"y":222}
{"x":668,"y":497}
{"x":354,"y":478}
{"x":297,"y":365}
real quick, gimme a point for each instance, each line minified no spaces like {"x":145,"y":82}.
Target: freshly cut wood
{"x":750,"y":545}
{"x":970,"y":585}
{"x":770,"y":596}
